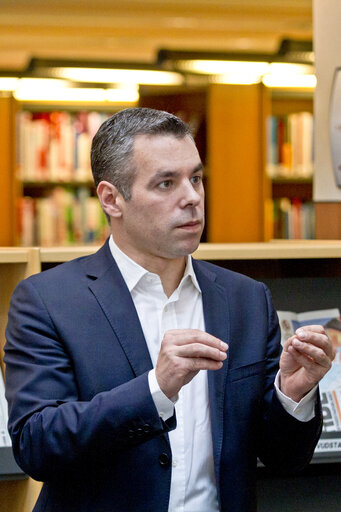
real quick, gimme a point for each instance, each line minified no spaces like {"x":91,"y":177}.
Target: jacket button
{"x":146,"y":428}
{"x":131,"y":434}
{"x":139,"y":432}
{"x":164,"y":460}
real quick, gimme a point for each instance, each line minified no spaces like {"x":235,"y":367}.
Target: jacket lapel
{"x":112,"y":294}
{"x":216,"y":314}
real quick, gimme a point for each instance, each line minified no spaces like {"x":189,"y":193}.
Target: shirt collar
{"x":132,"y":272}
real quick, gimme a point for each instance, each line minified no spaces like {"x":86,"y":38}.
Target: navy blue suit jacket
{"x":81,"y":415}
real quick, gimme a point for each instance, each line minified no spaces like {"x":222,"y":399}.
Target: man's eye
{"x":165,"y":184}
{"x":196,"y":180}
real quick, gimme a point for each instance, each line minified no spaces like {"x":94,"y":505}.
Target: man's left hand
{"x":306,"y":358}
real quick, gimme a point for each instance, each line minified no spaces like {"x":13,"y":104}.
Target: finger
{"x":315,"y":328}
{"x":312,"y":352}
{"x":317,"y":339}
{"x":196,"y":364}
{"x":198,"y":350}
{"x":313,"y":370}
{"x":188,"y":336}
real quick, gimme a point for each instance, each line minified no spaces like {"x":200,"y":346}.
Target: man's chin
{"x":184,"y":249}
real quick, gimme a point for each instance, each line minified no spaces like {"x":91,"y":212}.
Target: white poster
{"x":327,"y":101}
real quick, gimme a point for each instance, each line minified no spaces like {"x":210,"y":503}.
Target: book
{"x":329,"y":445}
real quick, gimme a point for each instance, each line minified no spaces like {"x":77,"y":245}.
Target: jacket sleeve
{"x":285,"y":443}
{"x":52,"y":431}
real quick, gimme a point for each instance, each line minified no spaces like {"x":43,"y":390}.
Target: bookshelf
{"x":302,"y":275}
{"x":230,"y":127}
{"x":289,"y":164}
{"x":57,"y":203}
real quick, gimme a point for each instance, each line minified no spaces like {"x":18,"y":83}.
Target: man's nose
{"x":191,"y":196}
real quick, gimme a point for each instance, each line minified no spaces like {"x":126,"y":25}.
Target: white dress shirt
{"x":193,"y":486}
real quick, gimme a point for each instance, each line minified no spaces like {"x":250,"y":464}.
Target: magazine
{"x":4,"y":436}
{"x":329,"y":444}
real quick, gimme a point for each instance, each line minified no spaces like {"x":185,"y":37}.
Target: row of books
{"x":63,"y":217}
{"x":293,"y":219}
{"x":55,"y":146}
{"x":289,"y":143}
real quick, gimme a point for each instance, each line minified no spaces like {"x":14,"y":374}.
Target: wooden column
{"x":237,"y":187}
{"x":8,"y":212}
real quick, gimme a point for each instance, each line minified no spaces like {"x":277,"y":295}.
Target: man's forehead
{"x":149,"y":143}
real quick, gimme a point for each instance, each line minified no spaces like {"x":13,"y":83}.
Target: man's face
{"x":165,"y":216}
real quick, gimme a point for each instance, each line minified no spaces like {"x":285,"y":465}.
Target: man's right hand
{"x":184,"y":352}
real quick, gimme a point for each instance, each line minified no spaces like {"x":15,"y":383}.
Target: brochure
{"x":329,"y":444}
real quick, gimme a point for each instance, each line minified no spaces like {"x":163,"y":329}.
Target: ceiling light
{"x":290,"y":81}
{"x":286,"y":68}
{"x":238,"y":79}
{"x":33,"y":89}
{"x":222,"y":67}
{"x":105,"y":75}
{"x":8,"y":83}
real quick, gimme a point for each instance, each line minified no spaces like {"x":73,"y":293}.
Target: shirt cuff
{"x":304,"y":410}
{"x":164,"y":406}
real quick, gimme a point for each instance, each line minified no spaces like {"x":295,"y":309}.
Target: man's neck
{"x":170,"y":271}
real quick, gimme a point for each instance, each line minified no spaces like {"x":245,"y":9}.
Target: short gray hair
{"x":112,"y":146}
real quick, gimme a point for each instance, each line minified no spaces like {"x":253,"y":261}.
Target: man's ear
{"x":110,"y":199}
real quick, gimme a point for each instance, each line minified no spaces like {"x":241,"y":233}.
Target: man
{"x":140,"y":380}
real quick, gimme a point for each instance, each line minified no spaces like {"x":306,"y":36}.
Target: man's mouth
{"x":192,"y":225}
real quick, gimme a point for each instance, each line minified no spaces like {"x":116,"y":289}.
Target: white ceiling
{"x":133,"y":30}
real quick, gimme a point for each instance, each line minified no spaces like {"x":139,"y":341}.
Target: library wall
{"x":327,"y":105}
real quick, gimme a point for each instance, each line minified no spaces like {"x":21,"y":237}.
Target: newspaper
{"x":329,"y":444}
{"x":4,"y":436}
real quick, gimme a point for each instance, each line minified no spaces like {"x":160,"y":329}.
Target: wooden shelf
{"x":292,"y":188}
{"x":274,"y":250}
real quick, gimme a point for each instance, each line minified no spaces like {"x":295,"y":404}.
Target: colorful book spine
{"x":289,"y":145}
{"x":64,"y":217}
{"x":293,"y":219}
{"x":55,"y":146}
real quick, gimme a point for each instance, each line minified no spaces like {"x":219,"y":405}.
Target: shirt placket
{"x":169,"y":321}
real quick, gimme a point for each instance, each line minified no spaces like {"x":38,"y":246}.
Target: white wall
{"x":327,"y":46}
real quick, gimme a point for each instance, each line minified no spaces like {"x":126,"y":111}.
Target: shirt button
{"x":166,"y":309}
{"x":164,"y":460}
{"x":174,"y":463}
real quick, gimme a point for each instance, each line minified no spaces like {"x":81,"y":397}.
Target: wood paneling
{"x":328,"y":221}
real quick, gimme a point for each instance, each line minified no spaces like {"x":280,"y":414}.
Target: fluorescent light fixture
{"x":286,"y":68}
{"x":126,"y":76}
{"x":223,"y":67}
{"x":33,"y":89}
{"x":290,"y":81}
{"x":8,"y":83}
{"x":238,"y":79}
